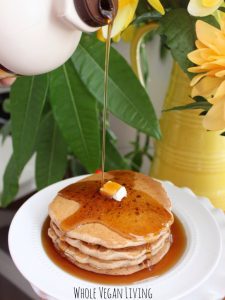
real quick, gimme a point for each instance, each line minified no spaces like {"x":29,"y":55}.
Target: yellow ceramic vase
{"x":187,"y":154}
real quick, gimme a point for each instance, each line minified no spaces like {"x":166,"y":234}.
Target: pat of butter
{"x":113,"y":190}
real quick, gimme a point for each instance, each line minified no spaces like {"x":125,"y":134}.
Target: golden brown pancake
{"x":65,"y":207}
{"x":107,"y":267}
{"x":111,"y":254}
{"x":105,"y":236}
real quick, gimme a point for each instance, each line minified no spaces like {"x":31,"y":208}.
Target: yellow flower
{"x":201,"y":8}
{"x":210,"y":68}
{"x":125,"y":15}
{"x":156,"y":4}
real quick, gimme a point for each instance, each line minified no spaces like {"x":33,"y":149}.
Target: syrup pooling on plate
{"x":175,"y":253}
{"x":137,"y":215}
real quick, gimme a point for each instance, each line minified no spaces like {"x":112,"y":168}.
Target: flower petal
{"x":197,"y":69}
{"x":215,"y":118}
{"x":100,"y":36}
{"x":196,"y":79}
{"x":199,"y":44}
{"x":220,"y":73}
{"x":212,"y":37}
{"x":219,"y":94}
{"x":157,"y":6}
{"x":206,"y":87}
{"x":200,"y":56}
{"x":195,"y":8}
{"x":222,"y":21}
{"x":124,"y":17}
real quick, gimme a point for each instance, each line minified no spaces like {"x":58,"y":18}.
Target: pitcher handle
{"x":135,"y":48}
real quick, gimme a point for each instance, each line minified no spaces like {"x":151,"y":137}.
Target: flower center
{"x":210,"y":3}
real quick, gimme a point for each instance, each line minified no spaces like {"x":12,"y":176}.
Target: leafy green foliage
{"x":175,"y":3}
{"x":128,"y":99}
{"x":222,"y":9}
{"x":194,"y":105}
{"x":57,"y":117}
{"x":178,"y":29}
{"x":137,"y":160}
{"x":143,"y":8}
{"x":51,"y":159}
{"x":136,"y":156}
{"x":75,"y":111}
{"x":6,"y":105}
{"x":28,"y":98}
{"x":114,"y":160}
{"x":147,"y":17}
{"x":179,"y":35}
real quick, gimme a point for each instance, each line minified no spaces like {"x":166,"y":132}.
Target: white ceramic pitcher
{"x":37,"y":36}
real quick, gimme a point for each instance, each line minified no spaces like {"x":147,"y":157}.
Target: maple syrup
{"x":138,"y":215}
{"x":110,"y":18}
{"x":105,"y":103}
{"x":175,"y":253}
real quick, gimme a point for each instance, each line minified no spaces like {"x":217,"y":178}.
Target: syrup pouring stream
{"x":108,"y":10}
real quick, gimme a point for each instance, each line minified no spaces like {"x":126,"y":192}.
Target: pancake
{"x":64,"y":206}
{"x":127,"y":270}
{"x":112,"y":254}
{"x":76,"y":256}
{"x":105,"y":236}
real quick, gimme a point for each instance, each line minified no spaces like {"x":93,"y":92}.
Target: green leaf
{"x":112,"y":135}
{"x":147,"y":17}
{"x":195,"y":105}
{"x":5,"y":130}
{"x":199,"y":99}
{"x":6,"y":105}
{"x":175,"y":3}
{"x":221,"y":9}
{"x":203,"y":113}
{"x":10,"y":182}
{"x":163,"y":48}
{"x":143,"y":7}
{"x":211,"y":20}
{"x":114,"y":160}
{"x":179,"y":28}
{"x":27,"y":99}
{"x":128,"y":100}
{"x":75,"y":111}
{"x":137,"y":160}
{"x":51,"y":159}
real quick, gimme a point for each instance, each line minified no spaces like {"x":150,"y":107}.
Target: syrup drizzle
{"x":105,"y":105}
{"x":174,"y":255}
{"x":137,"y":216}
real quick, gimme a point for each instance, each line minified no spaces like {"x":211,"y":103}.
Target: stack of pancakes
{"x":96,"y":247}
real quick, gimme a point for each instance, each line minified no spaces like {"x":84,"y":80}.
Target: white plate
{"x":199,"y":261}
